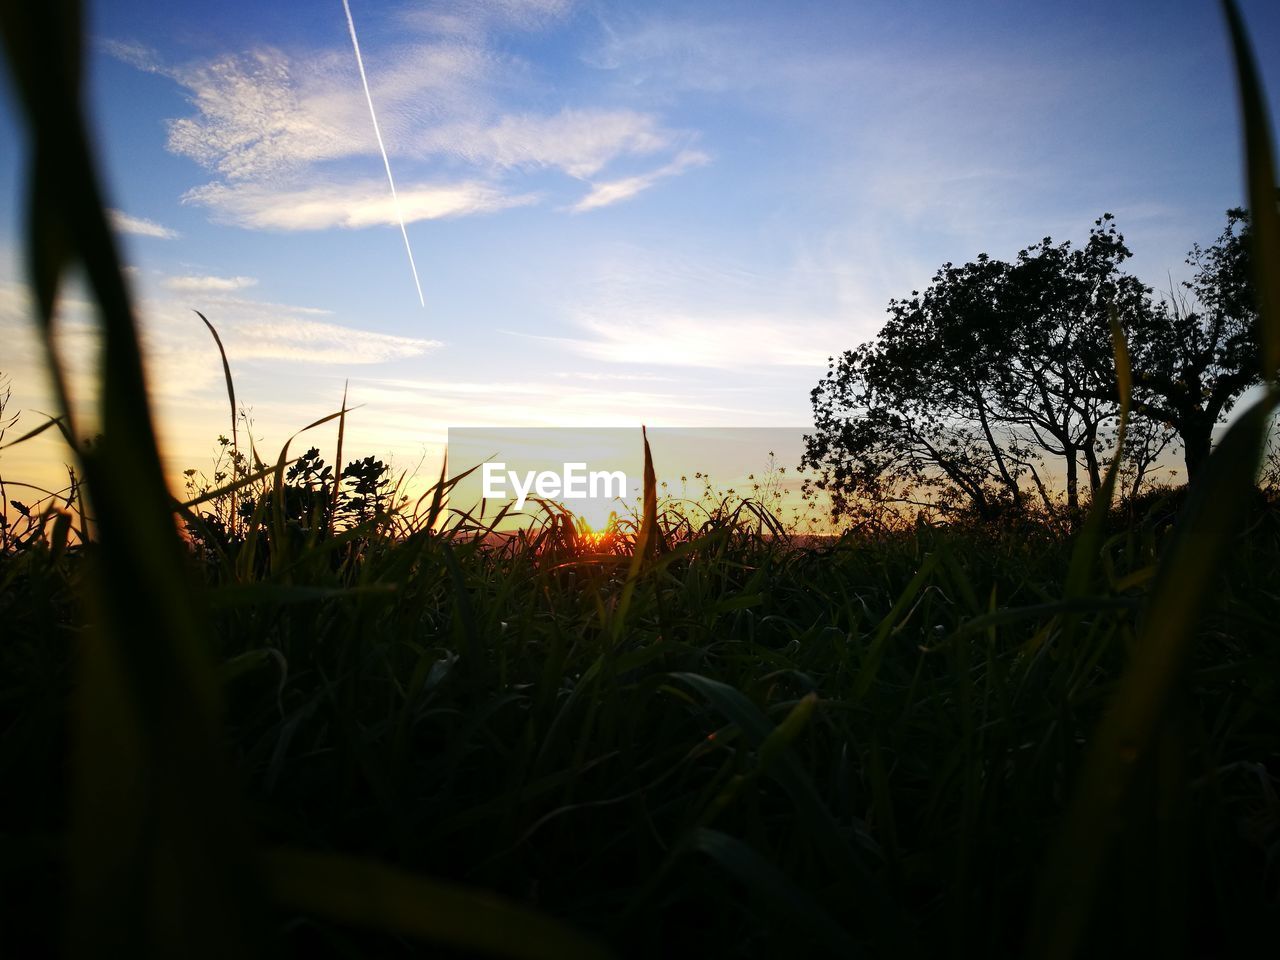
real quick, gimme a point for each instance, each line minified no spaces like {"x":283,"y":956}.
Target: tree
{"x":974,"y":389}
{"x":1057,"y":389}
{"x":911,"y":417}
{"x":1198,"y":352}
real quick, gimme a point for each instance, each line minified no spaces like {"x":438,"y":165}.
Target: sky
{"x":631,"y":212}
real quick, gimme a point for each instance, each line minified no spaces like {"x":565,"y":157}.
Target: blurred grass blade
{"x":372,"y":894}
{"x":159,"y":852}
{"x":1085,"y":553}
{"x":1260,"y":185}
{"x":812,"y":926}
{"x":1212,"y":517}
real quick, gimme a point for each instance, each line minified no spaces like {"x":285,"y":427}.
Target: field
{"x":384,"y":733}
{"x":742,"y":746}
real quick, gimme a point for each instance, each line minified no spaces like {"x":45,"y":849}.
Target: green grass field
{"x":872,"y":741}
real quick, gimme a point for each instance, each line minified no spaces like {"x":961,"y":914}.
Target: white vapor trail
{"x":351,"y":26}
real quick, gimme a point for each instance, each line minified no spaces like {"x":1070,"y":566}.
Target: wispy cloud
{"x":613,"y":376}
{"x":365,"y":203}
{"x":474,"y":18}
{"x":265,"y":114}
{"x":198,"y":284}
{"x":685,"y":52}
{"x":727,"y":342}
{"x":255,"y":330}
{"x":139,"y":226}
{"x":181,"y":361}
{"x":614,"y":191}
{"x":311,"y":341}
{"x":284,"y":132}
{"x":411,"y":405}
{"x":579,"y":142}
{"x":282,"y":357}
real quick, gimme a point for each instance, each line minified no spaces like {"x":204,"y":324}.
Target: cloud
{"x":612,"y":376}
{"x":265,"y":113}
{"x":410,"y":406}
{"x":665,"y":52}
{"x":284,"y":360}
{"x":257,"y":116}
{"x":280,"y":130}
{"x":139,"y":227}
{"x":180,"y":358}
{"x":473,"y":16}
{"x":194,"y":284}
{"x":134,"y":54}
{"x":312,"y":341}
{"x":579,"y":142}
{"x":727,"y":342}
{"x":362,"y":204}
{"x":256,"y":330}
{"x":615,"y":191}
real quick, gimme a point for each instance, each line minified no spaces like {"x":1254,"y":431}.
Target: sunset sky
{"x":621,"y":212}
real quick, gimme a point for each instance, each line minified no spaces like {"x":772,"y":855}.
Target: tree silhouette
{"x":908,"y":418}
{"x":1198,"y":351}
{"x":998,"y":378}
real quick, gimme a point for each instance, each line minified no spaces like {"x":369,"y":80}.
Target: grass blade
{"x":231,"y":399}
{"x":1260,"y":184}
{"x":159,"y":849}
{"x":372,"y":894}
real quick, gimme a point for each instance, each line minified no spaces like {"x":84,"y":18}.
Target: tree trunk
{"x":1139,"y":474}
{"x":1010,"y":483}
{"x":1095,"y":469}
{"x":1196,"y":440}
{"x":1073,"y":481}
{"x":1049,"y":508}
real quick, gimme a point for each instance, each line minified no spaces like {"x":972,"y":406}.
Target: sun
{"x":596,"y":535}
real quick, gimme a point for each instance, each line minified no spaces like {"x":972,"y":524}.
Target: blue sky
{"x":621,"y":212}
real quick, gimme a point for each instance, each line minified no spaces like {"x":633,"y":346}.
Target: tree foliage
{"x":995,"y":387}
{"x":1198,"y":351}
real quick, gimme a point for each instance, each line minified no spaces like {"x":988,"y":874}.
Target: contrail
{"x":351,"y":25}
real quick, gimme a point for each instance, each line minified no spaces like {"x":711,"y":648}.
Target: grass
{"x":402,"y":738}
{"x":870,"y":742}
